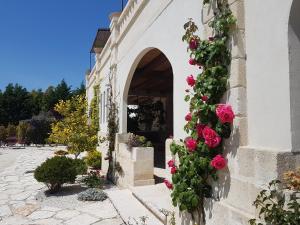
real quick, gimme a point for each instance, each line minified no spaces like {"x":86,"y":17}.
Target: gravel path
{"x":19,"y":205}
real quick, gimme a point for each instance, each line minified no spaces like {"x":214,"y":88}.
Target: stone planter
{"x":135,"y":166}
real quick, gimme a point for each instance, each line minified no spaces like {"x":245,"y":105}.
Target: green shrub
{"x":56,"y":171}
{"x":81,"y":166}
{"x":61,"y":153}
{"x":92,"y":194}
{"x":93,"y":180}
{"x":138,"y":141}
{"x":93,"y":159}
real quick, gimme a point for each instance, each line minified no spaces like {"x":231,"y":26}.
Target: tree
{"x":73,"y":130}
{"x":3,"y":135}
{"x":11,"y":130}
{"x":36,"y":101}
{"x":62,"y":91}
{"x":22,"y":130}
{"x":14,"y":102}
{"x":80,"y":90}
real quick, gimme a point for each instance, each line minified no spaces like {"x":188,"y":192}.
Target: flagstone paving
{"x":19,"y":204}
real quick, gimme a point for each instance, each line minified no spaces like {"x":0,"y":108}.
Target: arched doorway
{"x":150,"y":102}
{"x":294,"y":64}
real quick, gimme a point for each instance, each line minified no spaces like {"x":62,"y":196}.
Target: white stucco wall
{"x":268,"y":85}
{"x":163,"y":31}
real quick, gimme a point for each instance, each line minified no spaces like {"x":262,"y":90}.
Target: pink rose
{"x":212,"y":139}
{"x":225,"y":113}
{"x":171,"y":163}
{"x":191,"y":144}
{"x":218,"y":162}
{"x":199,"y":129}
{"x":188,"y":117}
{"x":193,"y":44}
{"x":204,"y":98}
{"x":192,"y":62}
{"x":173,"y":170}
{"x":168,"y":184}
{"x":190,"y":80}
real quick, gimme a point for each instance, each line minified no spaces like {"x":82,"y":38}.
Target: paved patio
{"x":19,"y":204}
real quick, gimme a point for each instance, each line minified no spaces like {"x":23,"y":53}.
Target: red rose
{"x":193,"y":44}
{"x":199,"y":129}
{"x":190,"y":80}
{"x":204,"y":98}
{"x":171,"y":163}
{"x":218,"y":162}
{"x":212,"y":139}
{"x":225,"y":113}
{"x":173,"y":170}
{"x":211,"y":38}
{"x":191,"y":144}
{"x":192,"y":62}
{"x":188,"y":117}
{"x":168,"y":184}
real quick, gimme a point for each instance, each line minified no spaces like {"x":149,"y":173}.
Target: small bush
{"x":56,"y":171}
{"x":138,"y":141}
{"x":93,"y":180}
{"x":61,"y":153}
{"x":81,"y":166}
{"x":92,"y":194}
{"x":93,"y":159}
{"x":292,"y":179}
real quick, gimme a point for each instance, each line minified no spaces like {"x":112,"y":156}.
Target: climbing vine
{"x":113,"y":124}
{"x":209,"y":121}
{"x":94,"y":109}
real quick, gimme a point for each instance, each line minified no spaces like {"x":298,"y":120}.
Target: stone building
{"x":144,"y":54}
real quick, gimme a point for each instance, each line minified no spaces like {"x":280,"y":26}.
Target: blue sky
{"x":44,"y":41}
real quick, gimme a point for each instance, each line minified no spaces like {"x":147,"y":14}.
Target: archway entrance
{"x":150,"y":102}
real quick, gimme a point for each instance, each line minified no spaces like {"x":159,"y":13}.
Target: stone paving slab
{"x":19,"y":204}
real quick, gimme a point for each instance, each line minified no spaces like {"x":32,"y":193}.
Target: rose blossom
{"x":204,"y":98}
{"x":192,"y":62}
{"x":193,"y":44}
{"x":171,"y":163}
{"x":168,"y":184}
{"x":199,"y":129}
{"x":212,"y":139}
{"x":218,"y":162}
{"x":191,"y":144}
{"x":188,"y":117}
{"x":225,"y":113}
{"x":173,"y":170}
{"x":191,"y":80}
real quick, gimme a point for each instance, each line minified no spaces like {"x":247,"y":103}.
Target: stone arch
{"x":149,"y":88}
{"x":294,"y":72}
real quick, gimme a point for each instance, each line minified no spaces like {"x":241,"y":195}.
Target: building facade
{"x":143,"y":53}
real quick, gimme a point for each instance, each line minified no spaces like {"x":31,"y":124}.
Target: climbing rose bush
{"x":208,"y":121}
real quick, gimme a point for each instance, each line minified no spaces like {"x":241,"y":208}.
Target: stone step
{"x":156,"y":198}
{"x":130,"y":208}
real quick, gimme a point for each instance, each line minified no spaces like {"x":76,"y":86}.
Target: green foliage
{"x":93,"y":180}
{"x":22,"y":132}
{"x":80,"y":166}
{"x":94,"y":109}
{"x":138,"y":141}
{"x":73,"y":129}
{"x":92,"y":194}
{"x":275,"y":208}
{"x":93,"y":159}
{"x":11,"y":130}
{"x":3,"y":134}
{"x":56,"y":171}
{"x":192,"y":182}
